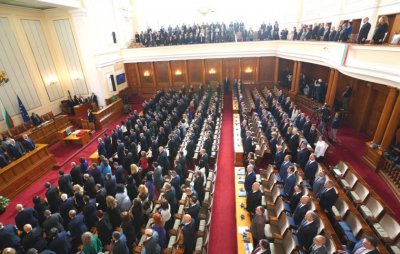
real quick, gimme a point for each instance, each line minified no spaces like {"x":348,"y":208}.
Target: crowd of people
{"x":105,"y":206}
{"x":237,"y":31}
{"x":279,"y":117}
{"x":11,"y":149}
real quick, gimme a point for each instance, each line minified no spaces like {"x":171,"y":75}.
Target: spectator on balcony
{"x":327,"y":32}
{"x":332,"y":34}
{"x":380,"y":30}
{"x":363,"y":33}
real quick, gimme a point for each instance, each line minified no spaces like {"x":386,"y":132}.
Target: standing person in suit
{"x":366,"y":245}
{"x":318,"y":246}
{"x":279,"y":157}
{"x":248,"y":144}
{"x":308,"y":229}
{"x":76,"y":174}
{"x":250,"y":178}
{"x":36,"y":120}
{"x":53,"y":197}
{"x":76,"y":228}
{"x":364,"y":30}
{"x":301,"y":210}
{"x":319,"y":182}
{"x":285,"y":165}
{"x":9,"y":237}
{"x":296,"y":196}
{"x":101,"y":148}
{"x":93,"y":99}
{"x":104,"y":228}
{"x":163,"y":160}
{"x":15,"y":149}
{"x":290,"y":182}
{"x":380,"y":30}
{"x":32,"y":238}
{"x":151,"y":245}
{"x":327,"y":197}
{"x":28,"y":143}
{"x":253,"y":199}
{"x":203,"y":161}
{"x":65,"y":183}
{"x":273,"y":143}
{"x":257,"y":225}
{"x":294,"y":143}
{"x":303,"y":155}
{"x":189,"y":233}
{"x":207,"y":144}
{"x":310,"y":169}
{"x":335,"y":126}
{"x":332,"y":34}
{"x":59,"y":242}
{"x":119,"y":243}
{"x":90,"y":116}
{"x":52,"y":221}
{"x":199,"y":185}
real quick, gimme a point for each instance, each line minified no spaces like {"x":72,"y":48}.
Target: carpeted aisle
{"x":223,"y":225}
{"x":64,"y":156}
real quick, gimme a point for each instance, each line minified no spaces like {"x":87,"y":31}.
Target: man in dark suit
{"x":4,"y":161}
{"x":301,"y":210}
{"x":25,"y":216}
{"x":203,"y":161}
{"x":53,"y":197}
{"x":207,"y":144}
{"x":103,"y":227}
{"x":32,"y":238}
{"x":250,"y":178}
{"x":248,"y":143}
{"x":170,"y":196}
{"x":319,"y":183}
{"x":285,"y":165}
{"x":318,"y":246}
{"x":76,"y":174}
{"x":90,"y":116}
{"x":273,"y":143}
{"x":101,"y":148}
{"x":327,"y":197}
{"x":151,"y":243}
{"x":119,"y":243}
{"x":294,"y":143}
{"x":296,"y":196}
{"x":190,"y":147}
{"x":9,"y":237}
{"x":120,"y":150}
{"x":194,"y":208}
{"x":76,"y":228}
{"x":363,"y":34}
{"x":89,"y":185}
{"x":253,"y":199}
{"x":303,"y":155}
{"x":307,"y":230}
{"x":310,"y":169}
{"x":189,"y":233}
{"x":65,"y":183}
{"x":366,"y":245}
{"x":110,"y":184}
{"x":59,"y":242}
{"x":93,"y":99}
{"x":176,"y":183}
{"x":163,"y":160}
{"x":199,"y":185}
{"x":66,"y":206}
{"x":290,"y":182}
{"x":52,"y":221}
{"x":15,"y":149}
{"x":279,"y":157}
{"x":28,"y":143}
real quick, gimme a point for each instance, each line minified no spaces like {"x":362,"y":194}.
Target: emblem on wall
{"x":3,"y":78}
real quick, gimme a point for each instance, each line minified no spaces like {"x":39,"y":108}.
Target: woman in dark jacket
{"x":113,"y":212}
{"x":128,"y":229}
{"x":138,"y":216}
{"x":380,"y":30}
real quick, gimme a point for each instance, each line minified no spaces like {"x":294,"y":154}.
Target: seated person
{"x":36,"y":120}
{"x":15,"y":149}
{"x":4,"y":161}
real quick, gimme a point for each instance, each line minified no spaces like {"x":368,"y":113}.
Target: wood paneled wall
{"x":146,"y":78}
{"x":315,"y":71}
{"x":366,"y":103}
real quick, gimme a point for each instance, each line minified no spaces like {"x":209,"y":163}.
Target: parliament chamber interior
{"x":199,"y":126}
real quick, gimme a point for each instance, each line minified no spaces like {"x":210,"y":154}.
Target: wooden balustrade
{"x":108,"y":114}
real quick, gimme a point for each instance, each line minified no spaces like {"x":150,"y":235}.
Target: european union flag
{"x":24,"y":113}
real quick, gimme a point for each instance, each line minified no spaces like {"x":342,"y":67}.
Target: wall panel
{"x":230,"y":68}
{"x":248,"y":69}
{"x":213,"y":71}
{"x":44,"y":60}
{"x":266,"y":71}
{"x":163,"y":75}
{"x":70,"y":52}
{"x":178,"y":72}
{"x":13,"y":63}
{"x":147,"y":75}
{"x":195,"y":72}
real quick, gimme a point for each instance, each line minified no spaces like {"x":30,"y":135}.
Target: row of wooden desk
{"x":21,"y":173}
{"x":237,"y":140}
{"x":242,"y":216}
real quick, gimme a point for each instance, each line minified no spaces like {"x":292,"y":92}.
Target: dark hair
{"x":264,"y":243}
{"x":61,"y":172}
{"x":372,"y":240}
{"x":164,"y":204}
{"x":120,"y":188}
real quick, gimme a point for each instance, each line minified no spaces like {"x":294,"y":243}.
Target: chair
{"x":287,"y":246}
{"x":330,"y":245}
{"x":340,"y":169}
{"x":359,"y":193}
{"x":276,"y":228}
{"x":387,"y":229}
{"x":274,"y":211}
{"x":275,"y":194}
{"x":372,"y":210}
{"x":348,"y":180}
{"x":340,"y":209}
{"x":351,"y":228}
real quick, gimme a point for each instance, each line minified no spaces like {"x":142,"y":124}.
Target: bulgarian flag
{"x":6,"y":116}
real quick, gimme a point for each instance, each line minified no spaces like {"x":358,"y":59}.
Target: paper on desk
{"x":240,"y":171}
{"x":248,"y":248}
{"x":240,"y":180}
{"x":243,"y":229}
{"x":242,"y":194}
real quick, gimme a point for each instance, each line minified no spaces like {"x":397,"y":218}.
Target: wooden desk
{"x":242,"y":247}
{"x":19,"y":174}
{"x":83,"y":139}
{"x":237,"y":141}
{"x":61,"y":134}
{"x":95,"y":158}
{"x":235,"y":105}
{"x":46,"y":133}
{"x":81,"y":109}
{"x":108,"y":114}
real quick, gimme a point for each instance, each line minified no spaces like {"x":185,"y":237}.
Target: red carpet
{"x":64,"y":156}
{"x":350,"y":147}
{"x":223,"y":225}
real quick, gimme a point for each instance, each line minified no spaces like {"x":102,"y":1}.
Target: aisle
{"x":223,"y":225}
